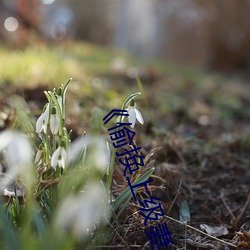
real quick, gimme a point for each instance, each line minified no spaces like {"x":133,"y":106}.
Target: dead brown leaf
{"x":245,"y":236}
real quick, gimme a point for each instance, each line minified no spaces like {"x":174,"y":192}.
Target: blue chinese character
{"x":151,"y":211}
{"x":137,"y":185}
{"x":120,"y":135}
{"x":135,"y":160}
{"x":128,"y":152}
{"x":115,"y":112}
{"x":159,"y":237}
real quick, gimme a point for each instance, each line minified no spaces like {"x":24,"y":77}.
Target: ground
{"x":196,"y":135}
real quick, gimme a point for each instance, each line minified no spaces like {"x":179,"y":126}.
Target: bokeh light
{"x":11,"y":24}
{"x":48,"y":2}
{"x":58,"y":31}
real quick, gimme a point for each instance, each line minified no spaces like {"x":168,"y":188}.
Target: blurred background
{"x":193,"y":60}
{"x":212,"y":34}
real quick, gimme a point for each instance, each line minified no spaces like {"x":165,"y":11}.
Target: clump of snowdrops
{"x":59,"y":191}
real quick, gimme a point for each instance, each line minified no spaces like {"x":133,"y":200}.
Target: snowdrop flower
{"x":59,"y":97}
{"x":54,"y":121}
{"x":134,"y":114}
{"x":79,"y":214}
{"x":39,"y":154}
{"x":59,"y":157}
{"x":98,"y":152}
{"x":17,"y":152}
{"x":77,"y":149}
{"x":42,"y":122}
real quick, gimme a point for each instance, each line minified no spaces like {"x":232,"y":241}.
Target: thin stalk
{"x":197,"y":230}
{"x":59,"y":111}
{"x":112,"y":164}
{"x":63,"y":101}
{"x":54,"y":142}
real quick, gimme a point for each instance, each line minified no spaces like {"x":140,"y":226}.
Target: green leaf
{"x":132,"y":96}
{"x":185,"y":212}
{"x":10,"y":236}
{"x":39,"y":222}
{"x":121,"y":209}
{"x":65,"y":87}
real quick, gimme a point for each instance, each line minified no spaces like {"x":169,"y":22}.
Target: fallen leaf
{"x":185,"y":212}
{"x":214,"y":230}
{"x":245,"y":236}
{"x":183,"y":208}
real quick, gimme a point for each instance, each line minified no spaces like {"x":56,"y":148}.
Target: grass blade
{"x":127,"y":192}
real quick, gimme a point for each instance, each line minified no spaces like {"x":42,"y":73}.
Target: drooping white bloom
{"x":77,"y":149}
{"x":59,"y":99}
{"x":54,"y":121}
{"x":101,"y":154}
{"x":59,"y":157}
{"x":42,"y":122}
{"x":39,"y":154}
{"x":98,"y":153}
{"x":134,"y":114}
{"x":17,"y":152}
{"x":79,"y":214}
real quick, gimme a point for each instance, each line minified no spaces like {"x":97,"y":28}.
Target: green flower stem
{"x":66,"y":136}
{"x":52,"y":95}
{"x":112,"y":164}
{"x":65,"y":87}
{"x":47,"y":137}
{"x":128,"y":100}
{"x":54,"y":142}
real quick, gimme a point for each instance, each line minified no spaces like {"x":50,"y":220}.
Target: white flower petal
{"x":61,"y":163}
{"x":5,"y":139}
{"x":59,"y":158}
{"x":19,"y":151}
{"x":55,"y":156}
{"x":59,"y":99}
{"x":66,"y":215}
{"x":77,"y":148}
{"x":44,"y":127}
{"x":38,"y":156}
{"x":132,"y":116}
{"x":139,"y":116}
{"x":80,"y":213}
{"x":39,"y":123}
{"x":46,"y":113}
{"x":122,"y":116}
{"x":63,"y":158}
{"x":64,"y":154}
{"x":18,"y":155}
{"x":42,"y":121}
{"x":54,"y":124}
{"x":101,"y":154}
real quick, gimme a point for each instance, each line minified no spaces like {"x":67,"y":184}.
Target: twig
{"x":57,"y":180}
{"x":178,"y":191}
{"x":118,"y":246}
{"x":118,"y":235}
{"x":195,"y":229}
{"x":48,"y":185}
{"x":185,"y":224}
{"x":227,"y":207}
{"x":237,"y":220}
